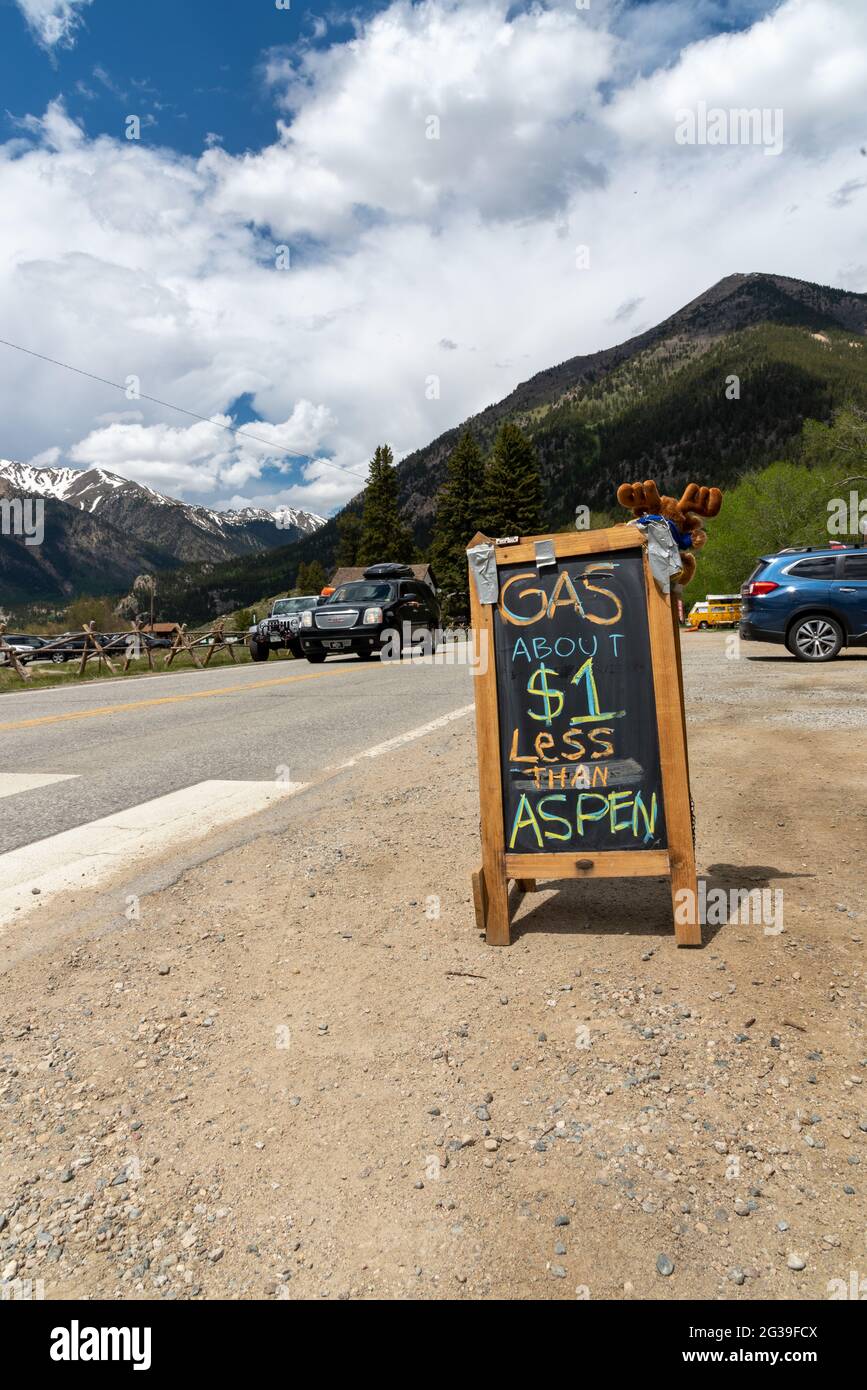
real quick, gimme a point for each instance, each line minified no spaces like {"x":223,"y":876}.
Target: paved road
{"x":125,"y":742}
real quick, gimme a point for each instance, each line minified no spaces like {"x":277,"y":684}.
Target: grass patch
{"x":45,"y":675}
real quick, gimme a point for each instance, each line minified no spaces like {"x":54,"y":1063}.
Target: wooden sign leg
{"x":490,"y":885}
{"x":498,"y":926}
{"x":480,"y":899}
{"x":692,"y":932}
{"x":671,"y":725}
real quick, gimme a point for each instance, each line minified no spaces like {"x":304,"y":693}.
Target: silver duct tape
{"x":483,"y":568}
{"x":662,"y":552}
{"x":545,"y":554}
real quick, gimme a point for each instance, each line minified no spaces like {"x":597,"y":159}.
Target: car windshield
{"x":294,"y":605}
{"x":361,"y":593}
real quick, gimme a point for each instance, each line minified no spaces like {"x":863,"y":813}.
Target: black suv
{"x":389,"y":608}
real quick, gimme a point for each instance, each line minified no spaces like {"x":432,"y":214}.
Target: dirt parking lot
{"x":300,"y":1073}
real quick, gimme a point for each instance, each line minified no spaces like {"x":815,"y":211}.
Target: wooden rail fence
{"x":90,"y":645}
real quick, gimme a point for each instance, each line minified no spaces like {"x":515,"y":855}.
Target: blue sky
{"x":429,"y":170}
{"x":190,"y":68}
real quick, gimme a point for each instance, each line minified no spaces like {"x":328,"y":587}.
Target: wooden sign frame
{"x":677,"y":861}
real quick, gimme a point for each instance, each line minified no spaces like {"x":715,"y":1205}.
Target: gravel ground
{"x":299,"y":1072}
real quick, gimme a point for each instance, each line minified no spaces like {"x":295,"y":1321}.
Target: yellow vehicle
{"x":717,"y":610}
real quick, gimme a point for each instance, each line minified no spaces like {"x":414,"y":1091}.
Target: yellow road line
{"x":168,"y":699}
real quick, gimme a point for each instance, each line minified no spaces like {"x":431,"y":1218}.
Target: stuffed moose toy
{"x":684,"y":517}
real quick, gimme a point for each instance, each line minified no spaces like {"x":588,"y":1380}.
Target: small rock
{"x":664,"y":1266}
{"x":796,"y":1261}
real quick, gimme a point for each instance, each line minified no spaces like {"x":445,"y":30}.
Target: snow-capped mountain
{"x":101,"y":529}
{"x":95,"y":490}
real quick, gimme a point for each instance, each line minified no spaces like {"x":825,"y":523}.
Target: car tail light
{"x":372,"y":615}
{"x":759,"y":587}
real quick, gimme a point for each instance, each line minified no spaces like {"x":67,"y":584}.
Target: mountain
{"x":101,"y":530}
{"x":656,"y":405}
{"x":181,"y":528}
{"x":78,"y":553}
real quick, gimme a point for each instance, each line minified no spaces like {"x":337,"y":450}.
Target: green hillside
{"x":659,"y":405}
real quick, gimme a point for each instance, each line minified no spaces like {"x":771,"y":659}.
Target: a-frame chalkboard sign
{"x":580,"y":722}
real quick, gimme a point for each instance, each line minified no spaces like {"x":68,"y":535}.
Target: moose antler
{"x":684,"y":517}
{"x":640,"y":497}
{"x":703,"y":501}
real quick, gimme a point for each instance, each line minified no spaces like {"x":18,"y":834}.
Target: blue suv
{"x":812,"y":598}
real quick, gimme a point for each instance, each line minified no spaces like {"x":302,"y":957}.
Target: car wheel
{"x":815,"y":638}
{"x":260,"y":651}
{"x":315,"y":657}
{"x":702,"y":627}
{"x":58,"y":658}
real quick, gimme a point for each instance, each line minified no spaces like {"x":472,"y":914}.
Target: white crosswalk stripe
{"x":11,"y":783}
{"x":89,"y":855}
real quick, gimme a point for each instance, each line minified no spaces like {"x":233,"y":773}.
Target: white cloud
{"x":47,"y":459}
{"x":127,"y":259}
{"x":435,"y":106}
{"x":53,"y":21}
{"x":203,"y":457}
{"x":806,"y":58}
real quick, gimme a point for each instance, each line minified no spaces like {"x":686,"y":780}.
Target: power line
{"x":276,"y":448}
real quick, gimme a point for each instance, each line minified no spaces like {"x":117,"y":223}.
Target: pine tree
{"x":349,"y":534}
{"x":315,"y":578}
{"x":383,"y":534}
{"x":460,"y":513}
{"x":513,"y":486}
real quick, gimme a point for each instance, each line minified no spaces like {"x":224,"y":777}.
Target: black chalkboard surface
{"x":579,"y":746}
